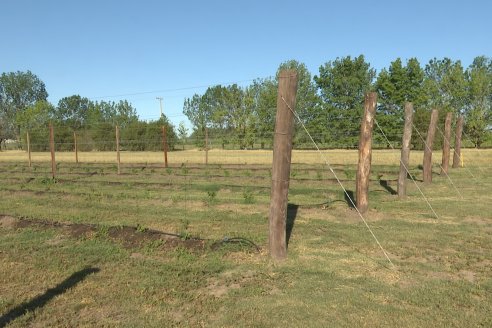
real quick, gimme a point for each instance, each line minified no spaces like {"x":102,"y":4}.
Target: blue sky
{"x":172,"y":49}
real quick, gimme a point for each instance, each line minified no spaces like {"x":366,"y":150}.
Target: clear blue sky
{"x":147,"y":49}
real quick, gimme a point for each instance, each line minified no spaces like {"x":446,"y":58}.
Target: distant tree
{"x":182,"y":133}
{"x":73,"y":111}
{"x":18,"y":91}
{"x":343,"y":84}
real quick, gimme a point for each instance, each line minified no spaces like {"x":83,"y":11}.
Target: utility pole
{"x":160,"y":102}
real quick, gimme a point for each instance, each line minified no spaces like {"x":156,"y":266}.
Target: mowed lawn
{"x":186,"y":245}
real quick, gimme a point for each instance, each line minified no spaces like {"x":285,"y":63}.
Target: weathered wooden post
{"x":446,"y":145}
{"x":282,"y":151}
{"x":52,"y":150}
{"x":365,"y":152}
{"x":28,"y":148}
{"x":76,"y":150}
{"x":405,"y":151}
{"x":164,"y":144}
{"x":428,"y":147}
{"x":118,"y":148}
{"x":457,"y":143}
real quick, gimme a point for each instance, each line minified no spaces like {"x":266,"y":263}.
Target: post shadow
{"x":385,"y":185}
{"x":291,"y":217}
{"x":41,"y":300}
{"x":349,"y":198}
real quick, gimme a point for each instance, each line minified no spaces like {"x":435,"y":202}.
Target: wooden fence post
{"x":164,"y":144}
{"x":52,"y":150}
{"x":28,"y":148}
{"x":118,"y":148}
{"x":282,"y":153}
{"x":206,"y":145}
{"x":405,"y":151}
{"x":365,"y":152}
{"x":446,"y":145}
{"x":75,"y":147}
{"x":457,"y":143}
{"x":428,"y":147}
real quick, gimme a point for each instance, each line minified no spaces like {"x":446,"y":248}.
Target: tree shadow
{"x":385,"y":185}
{"x":291,"y":217}
{"x":41,"y":300}
{"x":349,"y":198}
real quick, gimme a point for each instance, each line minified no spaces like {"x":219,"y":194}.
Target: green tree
{"x":343,"y":84}
{"x":478,"y":109}
{"x":182,"y":133}
{"x":35,"y":119}
{"x":307,"y":102}
{"x":18,"y":91}
{"x":397,"y":85}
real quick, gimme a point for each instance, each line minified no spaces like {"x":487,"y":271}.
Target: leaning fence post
{"x":428,"y":147}
{"x":365,"y":152}
{"x":118,"y":148}
{"x":52,"y":151}
{"x":446,"y":146}
{"x":405,"y":151}
{"x":457,"y":143}
{"x":282,"y":151}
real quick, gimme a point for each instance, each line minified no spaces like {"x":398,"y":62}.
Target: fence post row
{"x":457,"y":143}
{"x":282,"y":151}
{"x":365,"y":152}
{"x":405,"y":151}
{"x":52,"y":150}
{"x":427,"y":164}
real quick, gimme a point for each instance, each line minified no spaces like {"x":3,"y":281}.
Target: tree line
{"x":330,"y":103}
{"x":24,"y":108}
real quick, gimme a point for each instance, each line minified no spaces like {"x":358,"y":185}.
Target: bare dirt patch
{"x":129,"y":237}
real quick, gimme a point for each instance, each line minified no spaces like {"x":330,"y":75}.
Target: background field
{"x":69,"y":258}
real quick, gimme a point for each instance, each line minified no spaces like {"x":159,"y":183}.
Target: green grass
{"x":335,"y":274}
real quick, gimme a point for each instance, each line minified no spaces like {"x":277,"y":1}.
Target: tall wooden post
{"x":282,"y":154}
{"x":28,"y":148}
{"x":405,"y":151}
{"x":428,"y":147}
{"x":76,"y":150}
{"x":206,"y":146}
{"x":457,"y":143}
{"x":365,"y":152}
{"x":118,"y":148}
{"x":164,"y":144}
{"x":52,"y":150}
{"x":446,"y":145}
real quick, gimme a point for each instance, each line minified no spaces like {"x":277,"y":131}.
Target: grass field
{"x":155,"y":247}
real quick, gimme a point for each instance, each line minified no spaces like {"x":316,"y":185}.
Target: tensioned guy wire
{"x":339,"y":182}
{"x":442,"y":169}
{"x":408,"y":172}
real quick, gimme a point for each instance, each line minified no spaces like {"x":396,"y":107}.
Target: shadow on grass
{"x":291,"y":217}
{"x":349,"y":198}
{"x":41,"y":300}
{"x":385,"y":185}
